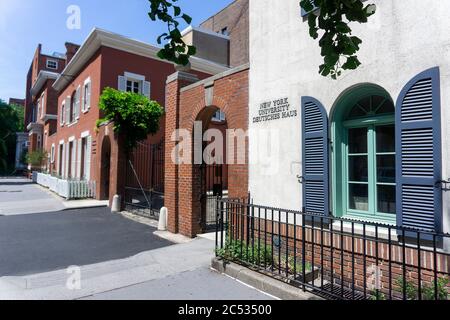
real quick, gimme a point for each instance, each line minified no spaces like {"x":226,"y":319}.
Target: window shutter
{"x":122,"y":85}
{"x":88,"y":158}
{"x":77,"y":103}
{"x":83,"y":99}
{"x":315,"y":157}
{"x":66,"y":160}
{"x":146,"y":89}
{"x":74,"y":159}
{"x":88,"y":96}
{"x":63,"y":159}
{"x":67,"y":118}
{"x":79,"y":159}
{"x":418,"y":144}
{"x":62,"y":115}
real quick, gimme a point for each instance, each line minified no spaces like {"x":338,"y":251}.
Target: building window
{"x":70,"y":160}
{"x":42,"y":103}
{"x":63,"y":111}
{"x":87,"y":96}
{"x":52,"y":64}
{"x":39,"y":142}
{"x":219,"y":116}
{"x":38,"y":115}
{"x":134,"y":86}
{"x":83,"y":158}
{"x":224,"y":31}
{"x":368,"y":160}
{"x":60,"y":159}
{"x":52,"y":154}
{"x":73,"y":103}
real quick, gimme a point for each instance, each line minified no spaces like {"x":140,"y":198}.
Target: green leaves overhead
{"x":175,"y":49}
{"x":331,"y":18}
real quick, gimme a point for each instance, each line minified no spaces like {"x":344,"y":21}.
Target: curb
{"x":261,"y":282}
{"x":84,"y":207}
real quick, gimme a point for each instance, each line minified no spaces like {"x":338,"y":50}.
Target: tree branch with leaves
{"x":338,"y":46}
{"x":329,"y":18}
{"x":175,"y":49}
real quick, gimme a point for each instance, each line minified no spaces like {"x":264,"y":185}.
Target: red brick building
{"x":41,"y":98}
{"x":77,"y":149}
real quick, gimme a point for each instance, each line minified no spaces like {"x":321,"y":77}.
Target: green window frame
{"x":373,"y":212}
{"x":345,"y":118}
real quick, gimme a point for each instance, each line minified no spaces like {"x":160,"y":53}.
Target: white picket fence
{"x":69,"y":189}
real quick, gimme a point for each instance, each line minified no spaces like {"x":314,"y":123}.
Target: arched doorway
{"x":364,"y":155}
{"x":213,"y":172}
{"x":105,"y":168}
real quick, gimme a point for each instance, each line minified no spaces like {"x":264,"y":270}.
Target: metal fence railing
{"x":336,"y":258}
{"x":146,"y":203}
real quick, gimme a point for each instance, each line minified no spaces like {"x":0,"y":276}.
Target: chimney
{"x":71,"y":49}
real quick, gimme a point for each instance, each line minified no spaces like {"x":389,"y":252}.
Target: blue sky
{"x":25,"y":23}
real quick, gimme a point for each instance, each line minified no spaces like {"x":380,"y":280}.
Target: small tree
{"x":134,"y":116}
{"x":37,"y":159}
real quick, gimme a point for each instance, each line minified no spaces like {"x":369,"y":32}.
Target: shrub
{"x":134,"y":115}
{"x":37,"y":158}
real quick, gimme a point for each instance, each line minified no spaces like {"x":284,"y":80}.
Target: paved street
{"x":20,"y":196}
{"x":118,"y":257}
{"x":50,"y":241}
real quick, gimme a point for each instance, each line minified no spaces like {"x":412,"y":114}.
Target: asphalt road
{"x":44,"y":242}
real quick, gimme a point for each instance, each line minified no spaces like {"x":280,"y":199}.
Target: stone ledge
{"x":261,"y":282}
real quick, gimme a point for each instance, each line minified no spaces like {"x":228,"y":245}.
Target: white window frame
{"x":38,"y":112}
{"x":63,"y":114}
{"x":52,"y":157}
{"x":87,"y":84}
{"x":42,"y":103}
{"x":60,"y":158}
{"x":140,"y":79}
{"x":54,"y":61}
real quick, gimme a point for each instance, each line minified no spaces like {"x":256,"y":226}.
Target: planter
{"x":310,"y":276}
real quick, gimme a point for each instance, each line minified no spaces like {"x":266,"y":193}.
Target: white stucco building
{"x":373,"y":144}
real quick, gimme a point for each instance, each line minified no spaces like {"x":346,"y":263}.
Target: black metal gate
{"x":144,"y":184}
{"x":214,"y":186}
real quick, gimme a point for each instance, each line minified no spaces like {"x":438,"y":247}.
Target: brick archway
{"x":188,"y":101}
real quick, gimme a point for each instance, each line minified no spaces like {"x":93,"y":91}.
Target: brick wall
{"x":183,"y":184}
{"x":235,"y":18}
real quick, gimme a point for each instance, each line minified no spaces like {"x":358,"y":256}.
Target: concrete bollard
{"x":162,"y":226}
{"x":115,"y":208}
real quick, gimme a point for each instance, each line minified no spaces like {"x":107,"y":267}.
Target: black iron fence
{"x":146,"y":203}
{"x":144,"y":185}
{"x":335,"y":258}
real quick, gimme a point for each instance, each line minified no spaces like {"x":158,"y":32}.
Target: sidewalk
{"x":20,"y":196}
{"x":177,"y":272}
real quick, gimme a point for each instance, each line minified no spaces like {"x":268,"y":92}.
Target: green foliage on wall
{"x":134,"y":116}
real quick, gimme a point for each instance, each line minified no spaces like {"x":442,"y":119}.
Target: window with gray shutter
{"x":418,"y":137}
{"x":315,"y":157}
